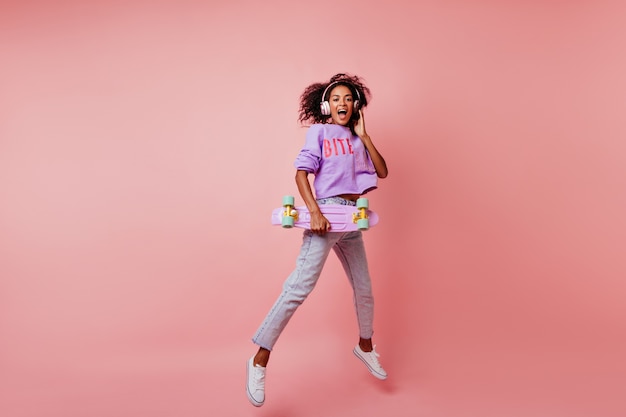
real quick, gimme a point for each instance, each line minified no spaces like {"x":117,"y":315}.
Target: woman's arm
{"x":319,"y":223}
{"x":377,"y":159}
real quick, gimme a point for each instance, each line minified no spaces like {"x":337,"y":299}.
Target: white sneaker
{"x":255,"y":385}
{"x":370,"y":359}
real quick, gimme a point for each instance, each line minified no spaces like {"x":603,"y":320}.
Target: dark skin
{"x":340,"y":100}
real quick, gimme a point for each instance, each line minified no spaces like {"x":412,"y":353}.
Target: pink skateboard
{"x":342,"y":218}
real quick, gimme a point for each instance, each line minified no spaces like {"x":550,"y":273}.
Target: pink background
{"x":143,"y":145}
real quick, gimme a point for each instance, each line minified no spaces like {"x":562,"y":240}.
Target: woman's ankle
{"x":262,"y":357}
{"x":366,"y":345}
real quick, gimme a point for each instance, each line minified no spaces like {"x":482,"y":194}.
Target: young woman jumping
{"x":345,"y":164}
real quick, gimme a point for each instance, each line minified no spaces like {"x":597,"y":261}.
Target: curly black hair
{"x":310,"y":110}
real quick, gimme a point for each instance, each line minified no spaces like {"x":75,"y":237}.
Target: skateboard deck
{"x":342,"y":218}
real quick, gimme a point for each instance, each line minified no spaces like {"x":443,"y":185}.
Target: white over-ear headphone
{"x":325,"y":105}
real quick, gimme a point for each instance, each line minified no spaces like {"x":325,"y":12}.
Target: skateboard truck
{"x":290,"y":214}
{"x":360,"y":217}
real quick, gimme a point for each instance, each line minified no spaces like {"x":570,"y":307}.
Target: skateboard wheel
{"x":363,"y":224}
{"x":362,"y":203}
{"x":287,"y":222}
{"x":288,"y":200}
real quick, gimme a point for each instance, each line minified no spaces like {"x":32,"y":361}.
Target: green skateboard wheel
{"x":362,"y":203}
{"x":287,"y":222}
{"x":288,"y":200}
{"x":363,"y":224}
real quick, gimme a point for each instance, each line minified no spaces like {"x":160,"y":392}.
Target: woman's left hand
{"x":377,"y":159}
{"x":359,"y":125}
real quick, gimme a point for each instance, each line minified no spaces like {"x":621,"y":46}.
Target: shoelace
{"x":258,"y":377}
{"x":374,"y":357}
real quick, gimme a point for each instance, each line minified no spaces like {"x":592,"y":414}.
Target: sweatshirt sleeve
{"x":311,"y":154}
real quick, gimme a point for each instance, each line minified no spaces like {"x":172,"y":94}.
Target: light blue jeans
{"x":349,"y":248}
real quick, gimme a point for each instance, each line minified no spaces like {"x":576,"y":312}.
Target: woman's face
{"x":341,"y":105}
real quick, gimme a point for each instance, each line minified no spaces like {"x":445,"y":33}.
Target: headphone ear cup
{"x":325,"y":108}
{"x":357,"y":105}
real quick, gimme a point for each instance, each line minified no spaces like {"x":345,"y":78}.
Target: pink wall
{"x":143,"y":145}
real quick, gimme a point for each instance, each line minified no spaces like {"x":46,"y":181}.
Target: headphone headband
{"x":334,"y":83}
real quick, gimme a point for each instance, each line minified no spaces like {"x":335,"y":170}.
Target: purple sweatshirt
{"x":339,"y":161}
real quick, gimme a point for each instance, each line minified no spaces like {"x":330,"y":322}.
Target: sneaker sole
{"x":372,"y":371}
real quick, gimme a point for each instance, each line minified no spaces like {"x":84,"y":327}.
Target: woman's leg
{"x":313,"y":254}
{"x":351,"y":252}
